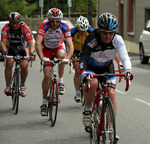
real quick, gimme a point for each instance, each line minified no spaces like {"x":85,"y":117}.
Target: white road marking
{"x":120,"y":91}
{"x":142,"y":101}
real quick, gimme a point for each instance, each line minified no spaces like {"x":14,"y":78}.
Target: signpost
{"x":69,"y":5}
{"x":41,"y":5}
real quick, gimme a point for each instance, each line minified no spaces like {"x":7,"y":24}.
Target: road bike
{"x":16,"y":81}
{"x":103,"y":126}
{"x":52,"y":97}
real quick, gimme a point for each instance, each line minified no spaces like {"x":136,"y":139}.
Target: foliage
{"x":21,"y":6}
{"x":30,"y":8}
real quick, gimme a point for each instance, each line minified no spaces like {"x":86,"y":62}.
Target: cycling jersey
{"x":97,"y":54}
{"x":77,"y":39}
{"x":53,"y":38}
{"x":17,"y":39}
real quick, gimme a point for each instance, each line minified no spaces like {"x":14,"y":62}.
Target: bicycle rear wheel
{"x":109,"y":125}
{"x":15,"y":94}
{"x":53,"y":103}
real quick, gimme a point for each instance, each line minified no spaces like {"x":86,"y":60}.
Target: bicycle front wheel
{"x":53,"y":103}
{"x":15,"y":94}
{"x":109,"y":125}
{"x":82,"y":94}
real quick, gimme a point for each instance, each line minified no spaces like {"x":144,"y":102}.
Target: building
{"x":132,"y":16}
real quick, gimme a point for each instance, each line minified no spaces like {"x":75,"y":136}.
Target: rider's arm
{"x":70,"y":47}
{"x":3,"y":44}
{"x":38,"y":42}
{"x":31,"y":46}
{"x":85,"y":54}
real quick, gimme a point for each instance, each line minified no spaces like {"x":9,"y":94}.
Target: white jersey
{"x":53,"y":38}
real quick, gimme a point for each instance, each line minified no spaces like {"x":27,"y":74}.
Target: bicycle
{"x":52,"y":97}
{"x":16,"y":81}
{"x":103,"y":126}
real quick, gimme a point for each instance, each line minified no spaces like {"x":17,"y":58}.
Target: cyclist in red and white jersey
{"x":51,"y":35}
{"x":16,"y":38}
{"x":98,"y":52}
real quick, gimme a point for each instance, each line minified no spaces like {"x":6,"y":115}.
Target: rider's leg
{"x":8,"y":75}
{"x":89,"y":96}
{"x":8,"y":70}
{"x":24,"y":70}
{"x":77,"y":77}
{"x":77,"y":82}
{"x":46,"y":80}
{"x":61,"y":55}
{"x":112,"y":96}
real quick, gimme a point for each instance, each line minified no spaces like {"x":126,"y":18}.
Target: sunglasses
{"x":56,"y":21}
{"x":104,"y":32}
{"x":17,"y":22}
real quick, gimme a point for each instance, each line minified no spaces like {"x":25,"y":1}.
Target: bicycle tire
{"x":53,"y":103}
{"x":82,"y":94}
{"x":16,"y":94}
{"x":94,"y":137}
{"x":109,"y":135}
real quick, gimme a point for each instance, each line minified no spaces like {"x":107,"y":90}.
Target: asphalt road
{"x":28,"y":127}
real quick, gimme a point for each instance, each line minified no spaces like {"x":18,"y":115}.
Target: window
{"x":131,"y":15}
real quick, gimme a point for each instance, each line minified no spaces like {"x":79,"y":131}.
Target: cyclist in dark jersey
{"x":79,"y":33}
{"x":16,"y":38}
{"x":98,"y":52}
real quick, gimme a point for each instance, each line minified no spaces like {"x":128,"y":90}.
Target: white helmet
{"x":82,"y":23}
{"x":54,"y":13}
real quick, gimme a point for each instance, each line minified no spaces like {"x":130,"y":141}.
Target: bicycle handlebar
{"x":55,"y":61}
{"x":107,"y":75}
{"x":17,"y":57}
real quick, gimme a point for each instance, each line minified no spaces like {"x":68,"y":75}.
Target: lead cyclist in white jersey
{"x":51,"y":35}
{"x":98,"y":52}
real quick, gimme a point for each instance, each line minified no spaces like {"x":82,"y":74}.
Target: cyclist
{"x":51,"y":35}
{"x":16,"y":38}
{"x":98,"y":52}
{"x":79,"y":33}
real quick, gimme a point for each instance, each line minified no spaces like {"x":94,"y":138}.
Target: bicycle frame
{"x":16,"y":81}
{"x":102,"y":95}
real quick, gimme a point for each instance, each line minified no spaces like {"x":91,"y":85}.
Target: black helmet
{"x":14,"y":16}
{"x":107,"y":21}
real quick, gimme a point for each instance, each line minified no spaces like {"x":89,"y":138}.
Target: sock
{"x":78,"y":92}
{"x":44,"y":101}
{"x":60,"y":80}
{"x":88,"y":108}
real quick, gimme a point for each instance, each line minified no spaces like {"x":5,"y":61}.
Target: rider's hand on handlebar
{"x":65,"y":61}
{"x":32,"y":56}
{"x":5,"y":53}
{"x":84,"y":75}
{"x":46,"y":60}
{"x":128,"y":75}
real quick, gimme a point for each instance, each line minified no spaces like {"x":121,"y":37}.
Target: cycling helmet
{"x":14,"y":16}
{"x":107,"y":21}
{"x":82,"y":23}
{"x":54,"y":13}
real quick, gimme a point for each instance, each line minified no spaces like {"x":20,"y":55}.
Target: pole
{"x":41,"y":12}
{"x":69,"y":12}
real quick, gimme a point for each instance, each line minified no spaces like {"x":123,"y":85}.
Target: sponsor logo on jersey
{"x":4,"y":33}
{"x":27,"y":34}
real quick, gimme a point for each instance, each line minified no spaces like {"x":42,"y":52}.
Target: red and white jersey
{"x":17,"y":37}
{"x":53,"y":38}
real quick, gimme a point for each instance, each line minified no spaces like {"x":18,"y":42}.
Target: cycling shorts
{"x":24,"y":52}
{"x":51,"y":53}
{"x":111,"y":81}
